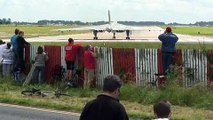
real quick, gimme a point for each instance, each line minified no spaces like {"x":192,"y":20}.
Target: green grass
{"x":188,"y":103}
{"x":6,"y":31}
{"x":193,"y":30}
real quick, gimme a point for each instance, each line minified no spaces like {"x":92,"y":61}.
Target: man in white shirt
{"x":3,"y":46}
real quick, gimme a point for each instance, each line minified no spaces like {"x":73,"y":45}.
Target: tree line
{"x":134,"y":23}
{"x":44,"y":22}
{"x":5,"y":21}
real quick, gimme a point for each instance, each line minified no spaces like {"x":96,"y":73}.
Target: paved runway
{"x":149,"y":34}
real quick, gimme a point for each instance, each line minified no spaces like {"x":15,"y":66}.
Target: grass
{"x":192,"y":30}
{"x":6,"y":31}
{"x":188,"y":103}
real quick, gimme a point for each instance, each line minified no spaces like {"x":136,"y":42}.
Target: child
{"x":40,"y":58}
{"x":162,"y":110}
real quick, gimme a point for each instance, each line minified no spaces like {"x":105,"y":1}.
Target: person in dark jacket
{"x":168,"y":49}
{"x":21,"y":42}
{"x":106,"y":106}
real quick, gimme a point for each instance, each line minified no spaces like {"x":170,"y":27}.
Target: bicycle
{"x":37,"y":92}
{"x":158,"y":78}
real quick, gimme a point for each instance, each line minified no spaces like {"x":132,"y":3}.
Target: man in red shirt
{"x":89,"y":66}
{"x":71,"y":51}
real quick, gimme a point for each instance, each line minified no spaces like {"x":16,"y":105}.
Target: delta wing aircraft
{"x":111,"y":27}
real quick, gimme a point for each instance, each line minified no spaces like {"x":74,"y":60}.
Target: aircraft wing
{"x":114,"y":27}
{"x":105,"y":27}
{"x":98,"y":28}
{"x":121,"y":27}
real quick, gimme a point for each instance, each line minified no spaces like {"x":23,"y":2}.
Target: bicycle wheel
{"x":28,"y":93}
{"x":63,"y":94}
{"x":46,"y":93}
{"x":58,"y":94}
{"x":31,"y":92}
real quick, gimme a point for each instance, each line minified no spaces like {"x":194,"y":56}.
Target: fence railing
{"x":135,"y":65}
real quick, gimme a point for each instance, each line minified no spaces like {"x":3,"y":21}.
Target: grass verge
{"x":188,"y":103}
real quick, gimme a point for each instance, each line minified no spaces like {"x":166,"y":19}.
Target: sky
{"x":168,"y":11}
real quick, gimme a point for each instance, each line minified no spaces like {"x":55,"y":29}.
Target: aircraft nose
{"x":108,"y":29}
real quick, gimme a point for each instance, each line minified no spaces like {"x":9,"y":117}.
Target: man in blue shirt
{"x":15,"y":46}
{"x":168,"y":49}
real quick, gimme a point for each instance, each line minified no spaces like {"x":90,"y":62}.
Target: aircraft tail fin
{"x":109,"y":17}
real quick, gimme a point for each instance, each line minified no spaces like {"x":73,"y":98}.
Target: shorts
{"x":70,"y":65}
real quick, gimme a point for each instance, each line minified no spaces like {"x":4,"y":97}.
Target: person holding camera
{"x":71,"y":51}
{"x":89,"y":66}
{"x":168,"y":49}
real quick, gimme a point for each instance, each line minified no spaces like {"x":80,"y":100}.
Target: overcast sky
{"x":181,"y":11}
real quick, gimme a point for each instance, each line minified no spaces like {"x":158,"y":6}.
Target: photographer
{"x":168,"y":49}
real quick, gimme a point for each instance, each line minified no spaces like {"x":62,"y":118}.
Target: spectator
{"x":40,"y":58}
{"x":8,"y":57}
{"x":106,"y":106}
{"x":168,"y":49}
{"x":162,"y":110}
{"x":89,"y":66}
{"x":2,"y":47}
{"x":21,"y":42}
{"x":71,"y":51}
{"x":15,"y":46}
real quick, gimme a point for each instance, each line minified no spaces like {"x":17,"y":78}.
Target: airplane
{"x":111,"y":27}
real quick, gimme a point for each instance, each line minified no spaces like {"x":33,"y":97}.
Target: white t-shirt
{"x":2,"y":47}
{"x":161,"y":119}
